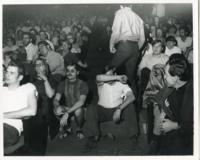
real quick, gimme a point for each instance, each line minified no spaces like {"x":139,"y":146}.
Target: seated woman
{"x":147,"y":63}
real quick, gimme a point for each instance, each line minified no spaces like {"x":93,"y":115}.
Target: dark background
{"x":63,"y":10}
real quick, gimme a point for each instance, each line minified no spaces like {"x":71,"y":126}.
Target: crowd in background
{"x":62,"y":41}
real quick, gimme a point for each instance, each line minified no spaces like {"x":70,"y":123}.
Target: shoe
{"x":110,"y":136}
{"x":64,"y":132}
{"x":79,"y":134}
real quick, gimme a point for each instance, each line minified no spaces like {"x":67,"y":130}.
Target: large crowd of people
{"x":46,"y":78}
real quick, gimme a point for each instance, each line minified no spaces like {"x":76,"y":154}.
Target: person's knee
{"x":129,"y":111}
{"x":79,"y":112}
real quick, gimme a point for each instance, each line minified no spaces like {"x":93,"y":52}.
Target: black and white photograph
{"x":100,"y":79}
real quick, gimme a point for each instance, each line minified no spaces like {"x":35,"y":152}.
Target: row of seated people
{"x":42,"y":88}
{"x":115,"y":103}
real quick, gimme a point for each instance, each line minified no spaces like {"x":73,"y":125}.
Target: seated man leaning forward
{"x":115,"y":104}
{"x":75,"y":92}
{"x":18,"y":101}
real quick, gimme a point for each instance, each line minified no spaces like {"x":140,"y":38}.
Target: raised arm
{"x":56,"y":101}
{"x":107,"y":78}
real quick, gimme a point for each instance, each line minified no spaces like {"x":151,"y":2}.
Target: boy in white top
{"x":171,"y":47}
{"x":183,"y":40}
{"x":115,"y":104}
{"x":18,"y":101}
{"x":157,"y":57}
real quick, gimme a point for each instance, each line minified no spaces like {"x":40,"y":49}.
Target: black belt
{"x":124,"y":41}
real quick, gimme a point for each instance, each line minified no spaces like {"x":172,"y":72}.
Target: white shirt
{"x":112,"y":95}
{"x":149,"y":61}
{"x":13,"y":100}
{"x":56,"y":63}
{"x":127,"y":25}
{"x":190,"y":57}
{"x":31,"y":51}
{"x":175,"y":49}
{"x":184,"y":44}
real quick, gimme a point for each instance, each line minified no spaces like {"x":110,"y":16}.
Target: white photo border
{"x":196,"y":80}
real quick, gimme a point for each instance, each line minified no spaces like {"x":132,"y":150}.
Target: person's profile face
{"x":170,"y":80}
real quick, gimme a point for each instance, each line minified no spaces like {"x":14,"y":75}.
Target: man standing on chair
{"x":126,"y":40}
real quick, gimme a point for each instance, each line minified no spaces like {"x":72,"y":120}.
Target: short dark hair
{"x":172,"y":26}
{"x":10,"y":54}
{"x":27,"y":33}
{"x":33,"y":29}
{"x":20,"y":66}
{"x":159,"y":41}
{"x":179,"y":66}
{"x":185,"y":28}
{"x":72,"y":64}
{"x":12,"y":39}
{"x":156,"y":41}
{"x":171,"y":38}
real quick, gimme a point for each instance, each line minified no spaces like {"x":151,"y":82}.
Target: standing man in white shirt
{"x":126,"y":40}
